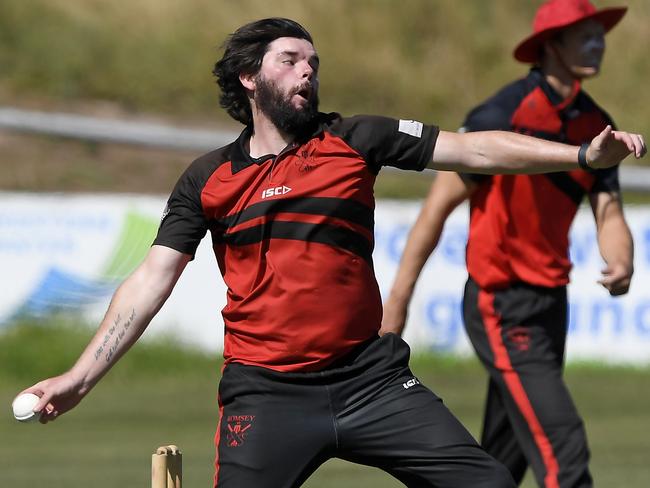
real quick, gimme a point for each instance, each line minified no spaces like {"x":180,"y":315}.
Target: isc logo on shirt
{"x":278,"y":190}
{"x":412,"y":382}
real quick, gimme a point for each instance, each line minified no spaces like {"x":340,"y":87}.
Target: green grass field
{"x":161,"y":394}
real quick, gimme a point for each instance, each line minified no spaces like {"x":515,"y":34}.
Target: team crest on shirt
{"x":305,"y":159}
{"x":239,"y":427}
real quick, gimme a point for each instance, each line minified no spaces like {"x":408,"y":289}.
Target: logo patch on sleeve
{"x":165,"y":213}
{"x":411,"y":127}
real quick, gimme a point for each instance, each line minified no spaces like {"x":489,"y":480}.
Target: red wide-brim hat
{"x":555,"y":15}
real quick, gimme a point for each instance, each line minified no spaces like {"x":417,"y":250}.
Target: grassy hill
{"x":424,"y":59}
{"x":427,"y":59}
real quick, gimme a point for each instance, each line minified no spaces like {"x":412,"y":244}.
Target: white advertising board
{"x":69,"y":252}
{"x":63,"y":252}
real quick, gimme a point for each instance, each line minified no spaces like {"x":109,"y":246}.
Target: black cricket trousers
{"x":519,"y":334}
{"x":275,"y":429}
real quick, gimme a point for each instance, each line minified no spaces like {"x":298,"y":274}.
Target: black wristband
{"x":582,"y":157}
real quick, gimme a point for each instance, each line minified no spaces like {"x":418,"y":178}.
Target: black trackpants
{"x":275,"y":429}
{"x":519,"y":334}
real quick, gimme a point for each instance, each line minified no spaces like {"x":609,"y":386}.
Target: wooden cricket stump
{"x":167,"y":467}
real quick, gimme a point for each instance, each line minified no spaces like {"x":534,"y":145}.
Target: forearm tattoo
{"x":114,"y":336}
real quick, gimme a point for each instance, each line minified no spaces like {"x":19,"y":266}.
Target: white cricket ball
{"x":23,"y":406}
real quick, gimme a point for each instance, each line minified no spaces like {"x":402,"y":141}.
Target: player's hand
{"x":610,"y":147}
{"x":394,"y":318}
{"x":616,"y":278}
{"x":58,"y":395}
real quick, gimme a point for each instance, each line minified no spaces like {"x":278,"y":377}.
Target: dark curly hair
{"x":243,"y":53}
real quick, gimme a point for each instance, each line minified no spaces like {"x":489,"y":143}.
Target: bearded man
{"x":290,"y":209}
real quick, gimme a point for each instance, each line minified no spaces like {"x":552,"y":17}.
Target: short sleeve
{"x":488,"y":116}
{"x":383,"y":141}
{"x":183,"y":223}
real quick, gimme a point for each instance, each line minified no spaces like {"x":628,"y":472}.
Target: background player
{"x":515,"y":303}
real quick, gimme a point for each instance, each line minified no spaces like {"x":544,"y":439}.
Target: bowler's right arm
{"x":134,"y":304}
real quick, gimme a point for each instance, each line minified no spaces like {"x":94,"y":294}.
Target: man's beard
{"x":278,"y":108}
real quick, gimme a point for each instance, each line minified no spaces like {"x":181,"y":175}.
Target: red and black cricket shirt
{"x":293,"y":236}
{"x":519,"y":224}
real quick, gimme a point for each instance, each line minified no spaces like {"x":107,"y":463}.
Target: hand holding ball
{"x":23,"y":406}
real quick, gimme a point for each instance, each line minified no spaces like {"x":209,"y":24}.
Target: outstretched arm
{"x":447,"y":192}
{"x":614,"y":241}
{"x":133,"y":306}
{"x":508,"y":152}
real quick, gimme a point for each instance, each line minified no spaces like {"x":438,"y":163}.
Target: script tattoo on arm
{"x":114,"y":336}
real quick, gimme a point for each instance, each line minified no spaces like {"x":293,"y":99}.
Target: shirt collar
{"x":241,"y":158}
{"x":554,"y":97}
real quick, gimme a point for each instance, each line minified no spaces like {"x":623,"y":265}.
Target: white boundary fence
{"x":635,"y":178}
{"x":112,"y":130}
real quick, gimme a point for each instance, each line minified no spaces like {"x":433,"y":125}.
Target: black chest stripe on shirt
{"x":567,"y":185}
{"x":321,"y":233}
{"x":340,"y":208}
